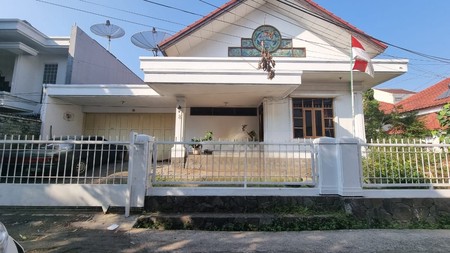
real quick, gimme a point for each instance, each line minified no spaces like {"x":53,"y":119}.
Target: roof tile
{"x":427,"y":98}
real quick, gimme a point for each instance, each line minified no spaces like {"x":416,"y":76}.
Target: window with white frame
{"x":312,"y":117}
{"x":50,"y":71}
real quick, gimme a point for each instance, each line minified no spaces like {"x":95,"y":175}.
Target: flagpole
{"x":351,"y":90}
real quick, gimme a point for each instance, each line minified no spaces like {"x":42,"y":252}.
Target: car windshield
{"x":57,"y":146}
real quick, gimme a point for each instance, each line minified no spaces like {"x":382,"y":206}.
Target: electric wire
{"x":134,"y":13}
{"x":192,"y":13}
{"x":125,"y":20}
{"x":298,"y":7}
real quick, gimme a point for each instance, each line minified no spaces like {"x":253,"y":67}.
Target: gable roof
{"x":427,"y":98}
{"x":309,"y":4}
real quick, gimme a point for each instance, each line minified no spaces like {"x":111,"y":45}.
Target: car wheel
{"x":80,"y":168}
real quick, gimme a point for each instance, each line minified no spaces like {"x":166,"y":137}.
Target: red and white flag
{"x":363,"y":62}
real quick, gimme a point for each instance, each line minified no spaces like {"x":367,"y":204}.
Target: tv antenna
{"x":149,"y":40}
{"x":108,"y":30}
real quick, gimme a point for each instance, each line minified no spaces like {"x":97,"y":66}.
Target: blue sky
{"x":417,"y":25}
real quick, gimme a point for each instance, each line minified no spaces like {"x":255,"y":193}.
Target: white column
{"x":275,"y":111}
{"x":359,"y":117}
{"x":178,"y":150}
{"x":339,"y":166}
{"x":328,"y":165}
{"x":139,"y":152}
{"x":350,"y":167}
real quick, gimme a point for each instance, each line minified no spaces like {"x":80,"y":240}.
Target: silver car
{"x":7,"y":243}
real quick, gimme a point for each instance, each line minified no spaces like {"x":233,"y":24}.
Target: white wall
{"x":223,"y":127}
{"x":316,"y":47}
{"x":383,"y":96}
{"x":388,"y":97}
{"x":343,"y":115}
{"x":93,"y":64}
{"x":277,"y":120}
{"x":53,"y":117}
{"x":29,"y":73}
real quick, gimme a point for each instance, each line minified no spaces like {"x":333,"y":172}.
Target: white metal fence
{"x":405,"y":163}
{"x":92,"y":170}
{"x":74,"y":171}
{"x":63,"y":160}
{"x":233,"y":164}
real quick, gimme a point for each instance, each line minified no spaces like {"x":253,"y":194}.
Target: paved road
{"x":63,"y":230}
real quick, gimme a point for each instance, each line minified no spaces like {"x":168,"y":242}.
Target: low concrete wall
{"x":371,"y":210}
{"x":428,"y":210}
{"x":18,"y":125}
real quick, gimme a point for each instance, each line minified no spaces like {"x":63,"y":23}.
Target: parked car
{"x":69,"y":156}
{"x":7,"y":243}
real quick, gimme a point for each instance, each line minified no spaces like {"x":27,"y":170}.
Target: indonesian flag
{"x":362,"y":59}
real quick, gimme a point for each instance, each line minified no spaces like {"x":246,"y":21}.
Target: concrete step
{"x":243,"y":221}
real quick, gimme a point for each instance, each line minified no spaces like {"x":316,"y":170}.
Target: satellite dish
{"x":149,"y":40}
{"x":108,"y":30}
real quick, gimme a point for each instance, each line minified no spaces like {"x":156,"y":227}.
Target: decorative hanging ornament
{"x":267,"y":63}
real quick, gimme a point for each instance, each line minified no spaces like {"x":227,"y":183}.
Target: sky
{"x":406,"y":25}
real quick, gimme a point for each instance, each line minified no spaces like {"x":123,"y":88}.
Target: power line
{"x":345,"y":45}
{"x":219,"y":41}
{"x":98,"y":14}
{"x":173,"y":8}
{"x":134,"y":13}
{"x":298,"y":7}
{"x":125,"y":20}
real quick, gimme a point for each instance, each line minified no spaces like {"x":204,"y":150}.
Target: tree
{"x":399,"y":124}
{"x":444,"y":121}
{"x":374,"y":118}
{"x":406,"y":124}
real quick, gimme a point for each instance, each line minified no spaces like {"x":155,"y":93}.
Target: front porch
{"x":239,"y":164}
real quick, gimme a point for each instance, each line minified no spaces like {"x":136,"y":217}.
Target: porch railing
{"x":405,"y":163}
{"x":233,"y":164}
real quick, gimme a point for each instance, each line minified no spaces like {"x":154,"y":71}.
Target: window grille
{"x":50,"y":71}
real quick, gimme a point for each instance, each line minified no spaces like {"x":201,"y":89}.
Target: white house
{"x":209,"y":80}
{"x":30,"y":59}
{"x":391,"y":96}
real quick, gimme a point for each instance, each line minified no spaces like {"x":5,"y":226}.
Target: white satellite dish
{"x":149,"y":40}
{"x":108,"y":30}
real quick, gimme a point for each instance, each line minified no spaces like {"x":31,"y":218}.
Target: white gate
{"x":73,"y":171}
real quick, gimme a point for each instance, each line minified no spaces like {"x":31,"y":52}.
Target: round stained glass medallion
{"x":269,"y":35}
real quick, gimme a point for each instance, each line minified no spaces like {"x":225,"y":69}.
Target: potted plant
{"x":197,"y":147}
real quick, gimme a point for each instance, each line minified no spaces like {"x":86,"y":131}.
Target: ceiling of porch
{"x":195,"y":95}
{"x":217,"y":95}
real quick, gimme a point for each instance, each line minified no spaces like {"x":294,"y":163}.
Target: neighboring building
{"x":387,"y":98}
{"x":391,"y":96}
{"x":30,"y":59}
{"x":427,"y":103}
{"x":209,"y":80}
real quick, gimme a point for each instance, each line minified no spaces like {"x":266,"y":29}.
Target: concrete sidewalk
{"x":68,"y":230}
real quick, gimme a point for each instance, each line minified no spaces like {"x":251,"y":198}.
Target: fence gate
{"x":73,"y":171}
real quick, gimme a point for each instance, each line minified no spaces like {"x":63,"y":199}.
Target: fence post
{"x":325,"y":148}
{"x":140,"y":149}
{"x":350,"y":167}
